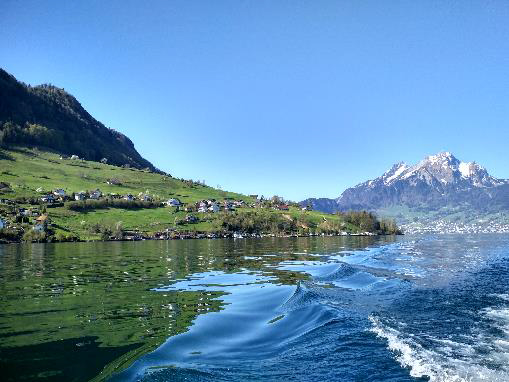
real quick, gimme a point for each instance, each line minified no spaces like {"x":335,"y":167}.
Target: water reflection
{"x":100,"y":306}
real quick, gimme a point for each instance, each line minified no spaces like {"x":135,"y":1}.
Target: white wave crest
{"x":435,"y":364}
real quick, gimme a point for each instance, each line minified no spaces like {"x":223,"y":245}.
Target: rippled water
{"x":333,"y":309}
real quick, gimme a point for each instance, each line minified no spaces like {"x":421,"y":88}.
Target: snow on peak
{"x":466,"y":169}
{"x":442,"y":157}
{"x":395,"y":172}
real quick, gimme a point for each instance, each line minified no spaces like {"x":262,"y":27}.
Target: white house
{"x":173,"y":202}
{"x":202,"y":208}
{"x":59,"y":192}
{"x":75,"y":157}
{"x":48,"y":198}
{"x":80,"y":195}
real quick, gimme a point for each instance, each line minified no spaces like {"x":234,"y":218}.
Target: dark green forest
{"x":49,"y":117}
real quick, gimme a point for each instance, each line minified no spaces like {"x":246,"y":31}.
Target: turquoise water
{"x":304,"y":309}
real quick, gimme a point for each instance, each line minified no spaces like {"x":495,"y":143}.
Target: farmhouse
{"x":48,"y":199}
{"x":173,"y":202}
{"x":82,"y":195}
{"x":96,"y":194}
{"x":59,"y":192}
{"x":214,"y":207}
{"x":41,"y":223}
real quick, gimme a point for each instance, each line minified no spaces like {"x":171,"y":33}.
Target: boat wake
{"x":484,"y":356}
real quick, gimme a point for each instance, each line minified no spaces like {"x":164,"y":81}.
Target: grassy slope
{"x":26,"y":170}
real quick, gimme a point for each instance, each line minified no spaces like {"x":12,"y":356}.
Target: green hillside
{"x":48,"y":116}
{"x":44,"y":131}
{"x":27,"y":175}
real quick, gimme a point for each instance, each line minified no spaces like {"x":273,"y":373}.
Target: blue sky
{"x":295,"y":98}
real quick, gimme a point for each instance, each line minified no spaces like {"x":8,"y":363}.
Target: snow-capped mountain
{"x":436,"y":182}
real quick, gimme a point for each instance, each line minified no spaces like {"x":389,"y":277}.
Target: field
{"x":30,"y":173}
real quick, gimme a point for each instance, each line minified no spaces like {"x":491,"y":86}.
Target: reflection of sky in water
{"x":263,"y":309}
{"x":217,"y":279}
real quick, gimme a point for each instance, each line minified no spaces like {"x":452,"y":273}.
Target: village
{"x":33,"y":215}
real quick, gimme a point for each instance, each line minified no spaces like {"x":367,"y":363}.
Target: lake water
{"x":297,"y":309}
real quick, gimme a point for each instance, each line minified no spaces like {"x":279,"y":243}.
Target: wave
{"x":441,"y":363}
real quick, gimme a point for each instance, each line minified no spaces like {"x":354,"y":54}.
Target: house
{"x":147,"y":198}
{"x":307,"y":208}
{"x":82,"y":195}
{"x":173,"y":202}
{"x":59,"y":192}
{"x":229,"y":206}
{"x":239,"y":203}
{"x":214,"y":207}
{"x":24,"y":212}
{"x":75,"y":157}
{"x":202,"y":206}
{"x":191,"y":219}
{"x":104,"y":160}
{"x":48,"y":199}
{"x":282,"y":207}
{"x":96,"y":194}
{"x":41,"y":223}
{"x":129,"y":197}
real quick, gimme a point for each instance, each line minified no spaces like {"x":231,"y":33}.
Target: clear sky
{"x":295,"y":98}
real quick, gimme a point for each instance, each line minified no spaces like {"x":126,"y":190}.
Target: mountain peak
{"x":444,"y":156}
{"x":436,"y":183}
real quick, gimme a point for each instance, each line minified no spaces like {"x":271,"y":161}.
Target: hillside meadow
{"x":27,"y":174}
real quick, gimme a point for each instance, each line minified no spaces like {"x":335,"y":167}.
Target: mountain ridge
{"x":49,"y":117}
{"x":437,"y":181}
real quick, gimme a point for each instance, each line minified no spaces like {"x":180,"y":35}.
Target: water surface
{"x":304,"y":309}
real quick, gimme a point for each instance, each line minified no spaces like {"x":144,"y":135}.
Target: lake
{"x":407,"y":308}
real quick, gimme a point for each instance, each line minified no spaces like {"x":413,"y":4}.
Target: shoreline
{"x":201,"y":236}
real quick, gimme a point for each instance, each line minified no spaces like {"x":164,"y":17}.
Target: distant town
{"x":448,"y":227}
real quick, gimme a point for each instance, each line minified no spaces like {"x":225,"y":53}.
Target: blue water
{"x":422,"y":308}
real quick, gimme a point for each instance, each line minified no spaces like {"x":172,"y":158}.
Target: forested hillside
{"x":49,"y":117}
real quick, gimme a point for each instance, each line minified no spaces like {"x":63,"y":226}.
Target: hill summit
{"x":49,"y":117}
{"x":438,"y":182}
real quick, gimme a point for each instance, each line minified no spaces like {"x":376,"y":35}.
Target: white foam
{"x":439,"y":364}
